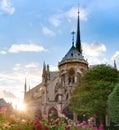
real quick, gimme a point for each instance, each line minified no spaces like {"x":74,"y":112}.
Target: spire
{"x":25,"y":88}
{"x":44,"y":70}
{"x":78,"y":40}
{"x":44,"y":74}
{"x":48,"y":72}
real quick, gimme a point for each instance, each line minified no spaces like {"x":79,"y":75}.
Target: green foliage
{"x":113,"y":105}
{"x":91,"y":95}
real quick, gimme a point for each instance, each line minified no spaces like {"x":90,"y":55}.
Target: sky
{"x":34,"y":32}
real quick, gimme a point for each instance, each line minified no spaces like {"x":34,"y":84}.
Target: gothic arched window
{"x":56,"y":98}
{"x":63,"y":79}
{"x":71,"y":76}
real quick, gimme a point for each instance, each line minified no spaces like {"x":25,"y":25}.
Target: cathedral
{"x":56,"y":88}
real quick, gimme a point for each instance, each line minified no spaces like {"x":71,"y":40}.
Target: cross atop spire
{"x":78,"y":40}
{"x":78,"y":9}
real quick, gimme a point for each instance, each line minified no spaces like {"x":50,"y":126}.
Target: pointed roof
{"x":73,"y":53}
{"x":78,"y":39}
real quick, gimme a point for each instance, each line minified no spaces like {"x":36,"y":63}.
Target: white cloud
{"x":15,"y":48}
{"x":97,"y":60}
{"x":32,"y":65}
{"x":17,"y":67}
{"x":70,"y":14}
{"x":6,"y":7}
{"x":55,"y":21}
{"x":94,"y":52}
{"x":47,"y":31}
{"x":115,"y":56}
{"x":3,"y":52}
{"x":53,"y":68}
{"x":93,"y":49}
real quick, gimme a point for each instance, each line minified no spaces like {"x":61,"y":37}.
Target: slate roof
{"x":73,"y":53}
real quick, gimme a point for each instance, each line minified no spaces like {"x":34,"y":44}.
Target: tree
{"x":91,"y":95}
{"x":113,"y":105}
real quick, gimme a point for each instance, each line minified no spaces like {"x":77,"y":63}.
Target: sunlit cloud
{"x":6,"y":7}
{"x":48,"y":31}
{"x":16,"y":48}
{"x":115,"y":56}
{"x":94,"y":49}
{"x":7,"y":94}
{"x":14,"y":80}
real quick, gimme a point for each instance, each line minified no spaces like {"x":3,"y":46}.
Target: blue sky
{"x":32,"y":32}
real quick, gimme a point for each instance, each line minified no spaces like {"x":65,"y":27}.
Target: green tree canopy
{"x":91,"y":95}
{"x":113,"y":105}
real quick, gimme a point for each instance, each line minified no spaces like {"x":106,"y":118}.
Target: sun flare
{"x":19,"y":105}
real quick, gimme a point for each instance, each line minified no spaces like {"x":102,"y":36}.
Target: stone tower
{"x":73,"y":63}
{"x":71,"y":67}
